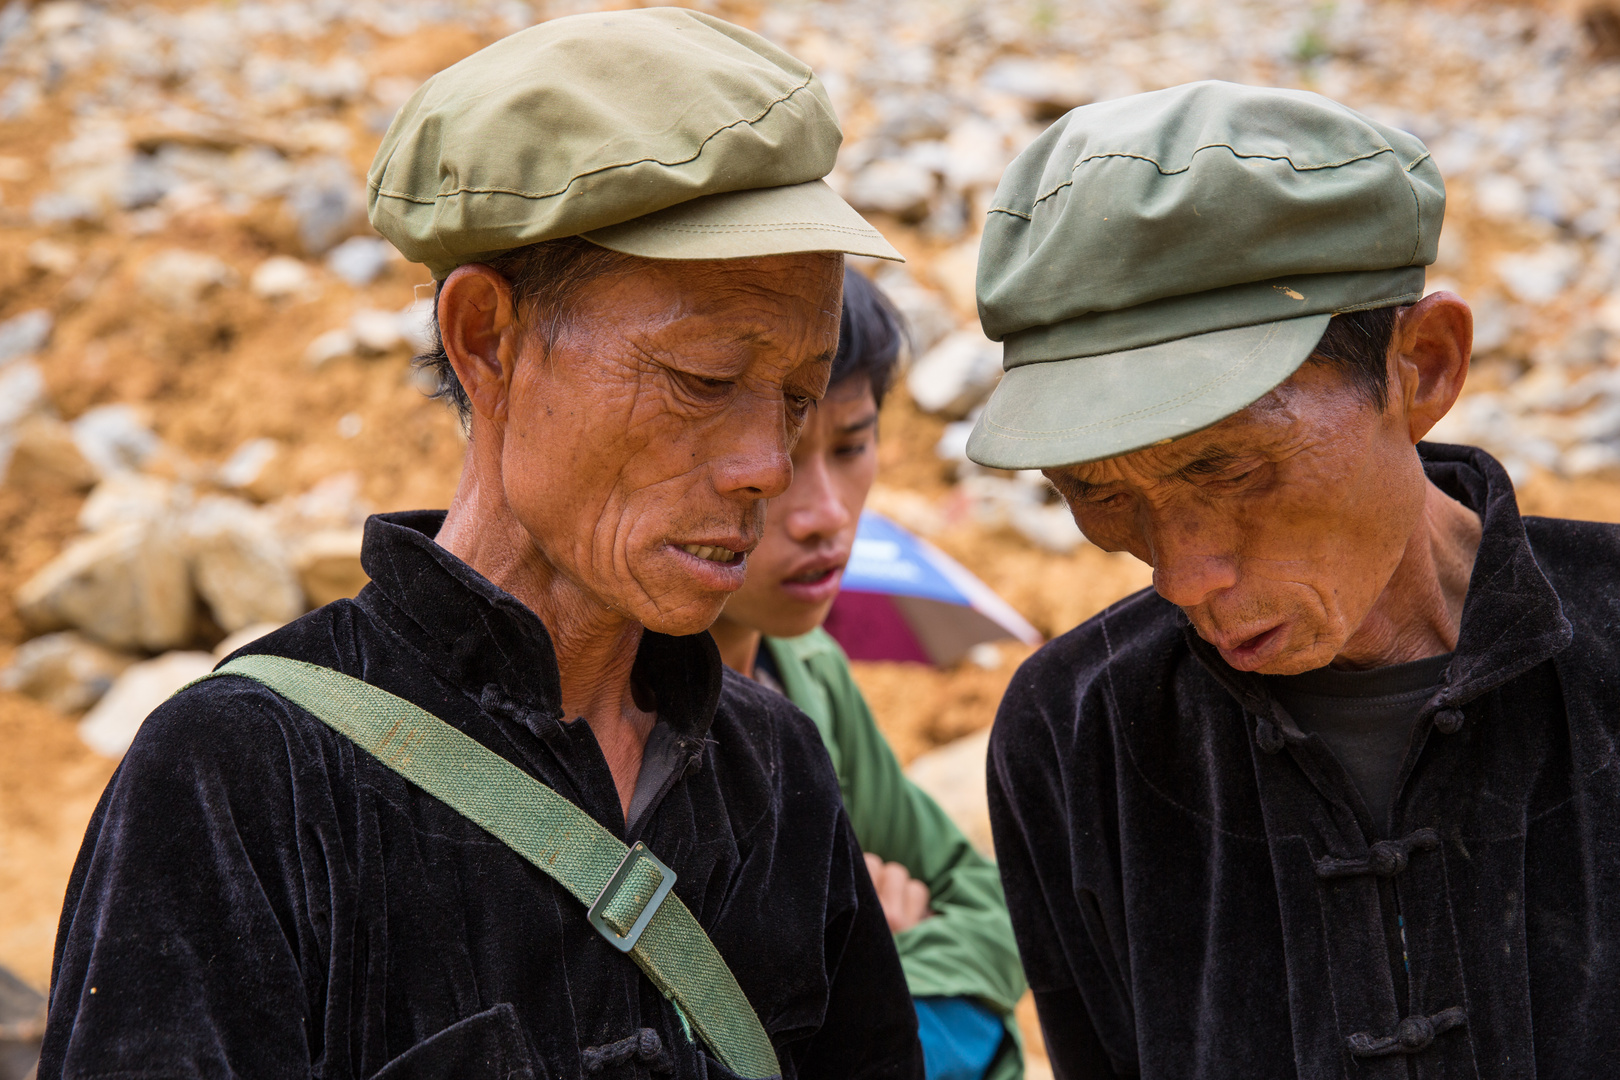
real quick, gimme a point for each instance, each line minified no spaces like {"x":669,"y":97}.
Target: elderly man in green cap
{"x":1340,"y":795}
{"x":505,"y":814}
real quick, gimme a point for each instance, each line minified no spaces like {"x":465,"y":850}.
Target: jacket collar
{"x":1512,"y":619}
{"x":482,"y":639}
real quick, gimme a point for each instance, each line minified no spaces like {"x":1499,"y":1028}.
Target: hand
{"x":904,"y":898}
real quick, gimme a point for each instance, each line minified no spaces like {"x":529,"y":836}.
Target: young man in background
{"x":943,"y":900}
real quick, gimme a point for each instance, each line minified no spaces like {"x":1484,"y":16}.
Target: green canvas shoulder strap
{"x":626,"y":889}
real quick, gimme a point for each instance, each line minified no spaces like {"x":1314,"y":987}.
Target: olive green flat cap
{"x":1157,"y":263}
{"x":659,"y":132}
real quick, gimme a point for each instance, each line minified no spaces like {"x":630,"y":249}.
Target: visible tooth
{"x":709,"y":552}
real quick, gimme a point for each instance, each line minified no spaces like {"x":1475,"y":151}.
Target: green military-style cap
{"x":661,"y":132}
{"x":1157,"y":263}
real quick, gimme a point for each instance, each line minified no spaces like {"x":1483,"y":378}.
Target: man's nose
{"x":1190,"y":565}
{"x":753,"y":452}
{"x":812,"y":507}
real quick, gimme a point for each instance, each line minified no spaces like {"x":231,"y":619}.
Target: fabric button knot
{"x":1386,"y":858}
{"x":1413,"y":1035}
{"x":644,"y":1046}
{"x":1267,"y":736}
{"x":1448,"y":721}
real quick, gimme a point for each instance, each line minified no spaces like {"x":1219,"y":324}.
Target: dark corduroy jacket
{"x":1198,"y":891}
{"x":258,"y":897}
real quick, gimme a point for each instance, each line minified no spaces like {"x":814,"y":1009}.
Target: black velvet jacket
{"x":1198,"y":890}
{"x":258,"y":897}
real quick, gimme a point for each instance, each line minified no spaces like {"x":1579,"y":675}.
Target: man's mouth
{"x":723,"y":556}
{"x":815,"y":582}
{"x":1253,"y":652}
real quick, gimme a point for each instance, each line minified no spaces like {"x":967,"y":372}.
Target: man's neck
{"x":595,"y":646}
{"x":1419,"y":613}
{"x":739,"y":645}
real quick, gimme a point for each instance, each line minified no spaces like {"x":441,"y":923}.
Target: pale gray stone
{"x":125,"y":497}
{"x":890,"y":186}
{"x":359,"y":259}
{"x":282,"y":277}
{"x":240,"y":565}
{"x":955,"y":375}
{"x":112,"y":724}
{"x":128,"y":587}
{"x":23,"y":334}
{"x":65,"y":670}
{"x":328,"y":564}
{"x":247,"y":463}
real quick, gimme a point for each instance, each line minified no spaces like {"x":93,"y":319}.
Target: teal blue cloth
{"x":959,"y":1037}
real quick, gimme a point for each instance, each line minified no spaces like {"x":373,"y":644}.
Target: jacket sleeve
{"x":869,"y":1031}
{"x":1070,"y":954}
{"x":967,"y":948}
{"x":174,"y":956}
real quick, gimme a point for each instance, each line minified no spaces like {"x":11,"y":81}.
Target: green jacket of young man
{"x":966,"y":949}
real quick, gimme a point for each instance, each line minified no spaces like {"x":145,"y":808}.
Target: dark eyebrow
{"x":1210,"y":464}
{"x":859,"y":425}
{"x":1071,"y":488}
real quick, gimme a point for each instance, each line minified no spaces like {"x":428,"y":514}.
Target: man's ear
{"x":479,"y":327}
{"x":1429,"y":354}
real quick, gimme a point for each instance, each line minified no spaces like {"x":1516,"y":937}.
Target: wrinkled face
{"x":1276,"y":529}
{"x":795,"y":573}
{"x":641,"y":448}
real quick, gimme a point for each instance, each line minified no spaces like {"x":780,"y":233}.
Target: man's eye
{"x":1236,"y":480}
{"x":701,"y":388}
{"x":799,"y":405}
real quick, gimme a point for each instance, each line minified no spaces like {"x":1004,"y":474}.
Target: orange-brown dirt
{"x":233,"y":369}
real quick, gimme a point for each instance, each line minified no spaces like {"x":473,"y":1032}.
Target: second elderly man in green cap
{"x":504,"y":814}
{"x":1340,"y":795}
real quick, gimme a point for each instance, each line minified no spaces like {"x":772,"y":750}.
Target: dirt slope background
{"x":155,"y":158}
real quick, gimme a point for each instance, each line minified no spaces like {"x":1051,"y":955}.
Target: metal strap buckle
{"x":611,"y":889}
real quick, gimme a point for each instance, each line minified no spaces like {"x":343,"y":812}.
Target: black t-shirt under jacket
{"x":1199,"y":891}
{"x":259,"y":897}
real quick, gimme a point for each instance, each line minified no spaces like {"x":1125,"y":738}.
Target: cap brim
{"x":749,"y":224}
{"x":1065,"y":412}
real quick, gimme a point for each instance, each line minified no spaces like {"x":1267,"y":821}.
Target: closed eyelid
{"x":1081,"y":491}
{"x":1212,"y":465}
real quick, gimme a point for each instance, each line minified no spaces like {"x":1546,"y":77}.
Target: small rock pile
{"x":178,"y":120}
{"x":1520,"y":104}
{"x":170,"y":554}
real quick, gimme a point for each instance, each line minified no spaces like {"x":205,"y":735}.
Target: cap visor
{"x":748,"y":224}
{"x":1064,"y":412}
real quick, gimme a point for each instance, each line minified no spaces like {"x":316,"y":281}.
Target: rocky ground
{"x":204,"y":353}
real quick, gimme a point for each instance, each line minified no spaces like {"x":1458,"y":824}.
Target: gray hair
{"x":546,"y":279}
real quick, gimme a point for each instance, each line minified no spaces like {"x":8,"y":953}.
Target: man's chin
{"x":693,"y":617}
{"x":1297,"y":660}
{"x":1292,"y":665}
